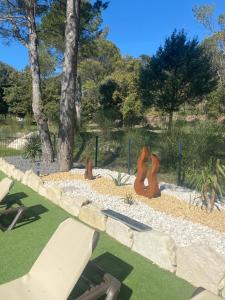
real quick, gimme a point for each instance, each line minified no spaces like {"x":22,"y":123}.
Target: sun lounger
{"x":108,"y":286}
{"x":58,"y":267}
{"x":5,"y":186}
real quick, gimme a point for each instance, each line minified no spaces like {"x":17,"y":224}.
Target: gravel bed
{"x":170,"y":189}
{"x":182,"y":231}
{"x":25,"y":164}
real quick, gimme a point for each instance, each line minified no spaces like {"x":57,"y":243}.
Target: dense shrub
{"x":201,"y":143}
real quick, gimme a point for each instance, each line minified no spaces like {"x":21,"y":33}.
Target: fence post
{"x":54,"y":147}
{"x":129,"y":157}
{"x":179,"y":163}
{"x":96,"y":151}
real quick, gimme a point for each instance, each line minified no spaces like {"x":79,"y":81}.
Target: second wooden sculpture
{"x":152,"y":190}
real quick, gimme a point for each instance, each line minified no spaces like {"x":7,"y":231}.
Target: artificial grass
{"x":140,"y":278}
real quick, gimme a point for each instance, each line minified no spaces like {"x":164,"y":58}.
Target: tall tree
{"x":67,"y":101}
{"x":5,"y":73}
{"x":53,"y":25}
{"x":18,"y":21}
{"x":180,"y":72}
{"x":215,"y":42}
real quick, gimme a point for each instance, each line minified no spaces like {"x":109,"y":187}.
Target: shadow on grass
{"x":12,"y":199}
{"x":30,"y":215}
{"x":118,"y":268}
{"x":109,"y":264}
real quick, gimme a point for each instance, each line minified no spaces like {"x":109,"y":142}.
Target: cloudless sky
{"x":135,"y":26}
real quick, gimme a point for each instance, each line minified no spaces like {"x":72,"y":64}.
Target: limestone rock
{"x":42,"y":191}
{"x":92,"y":216}
{"x":80,"y":201}
{"x":53,"y":194}
{"x":201,"y":266}
{"x":7,"y":168}
{"x":120,"y":232}
{"x":156,"y":246}
{"x":18,"y":175}
{"x":70,"y":205}
{"x":32,"y":180}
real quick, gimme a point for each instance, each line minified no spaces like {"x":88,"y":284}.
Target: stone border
{"x":198,"y":264}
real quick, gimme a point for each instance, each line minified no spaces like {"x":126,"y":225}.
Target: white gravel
{"x":182,"y":231}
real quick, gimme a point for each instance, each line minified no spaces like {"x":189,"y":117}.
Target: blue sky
{"x":135,"y":26}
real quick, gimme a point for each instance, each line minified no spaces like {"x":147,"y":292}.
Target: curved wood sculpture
{"x":139,"y":185}
{"x":152,"y":190}
{"x":88,"y":169}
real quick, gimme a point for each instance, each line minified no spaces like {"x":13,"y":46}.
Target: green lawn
{"x":140,"y":278}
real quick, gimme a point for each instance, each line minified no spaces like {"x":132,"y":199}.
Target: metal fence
{"x":116,"y":151}
{"x":15,"y":146}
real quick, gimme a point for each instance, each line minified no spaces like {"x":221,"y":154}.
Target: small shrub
{"x":208,"y":182}
{"x":32,"y":149}
{"x":120,"y":180}
{"x":128,"y":199}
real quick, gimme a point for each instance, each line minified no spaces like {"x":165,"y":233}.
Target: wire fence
{"x":115,"y":151}
{"x":14,"y":146}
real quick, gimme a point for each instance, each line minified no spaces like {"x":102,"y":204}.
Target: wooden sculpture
{"x":88,"y":169}
{"x":152,"y":190}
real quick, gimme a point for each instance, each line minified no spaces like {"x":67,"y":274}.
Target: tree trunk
{"x":170,"y":121}
{"x":67,"y":101}
{"x":42,"y":124}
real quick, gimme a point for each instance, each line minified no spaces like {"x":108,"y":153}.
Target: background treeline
{"x":184,"y":75}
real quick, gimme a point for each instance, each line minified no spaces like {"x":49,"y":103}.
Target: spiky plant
{"x":120,"y":180}
{"x":32,"y":148}
{"x":128,"y":199}
{"x":209,"y":184}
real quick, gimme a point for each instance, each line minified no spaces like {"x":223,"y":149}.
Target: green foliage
{"x":201,"y":143}
{"x":32,"y":148}
{"x":132,"y":110}
{"x":95,"y":74}
{"x":90,"y":28}
{"x":215,"y":42}
{"x":18,"y":94}
{"x":215,"y":105}
{"x":51,"y":97}
{"x":89,"y":101}
{"x":110,"y":101}
{"x":203,"y":14}
{"x":179,"y":73}
{"x":106,"y":121}
{"x":47,"y":61}
{"x":5,"y":72}
{"x":120,"y":180}
{"x":128,"y":199}
{"x":14,"y":18}
{"x":11,"y":127}
{"x":207,"y":181}
{"x":119,"y":99}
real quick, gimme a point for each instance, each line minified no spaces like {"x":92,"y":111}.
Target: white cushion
{"x":5,"y":186}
